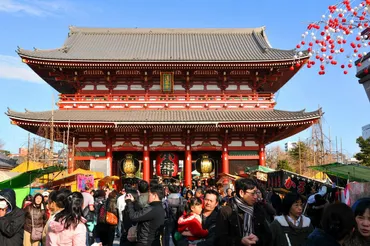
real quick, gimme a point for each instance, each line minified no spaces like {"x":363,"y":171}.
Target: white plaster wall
{"x":118,"y":143}
{"x":82,"y":144}
{"x":236,"y":143}
{"x":101,"y":88}
{"x":88,"y":88}
{"x":121,"y":87}
{"x":231,"y":88}
{"x":97,"y":144}
{"x":244,"y":87}
{"x":250,"y":143}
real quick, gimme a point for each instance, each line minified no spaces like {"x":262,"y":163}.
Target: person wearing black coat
{"x":241,"y":222}
{"x":12,"y":223}
{"x":150,"y":219}
{"x":338,"y":223}
{"x":126,"y":222}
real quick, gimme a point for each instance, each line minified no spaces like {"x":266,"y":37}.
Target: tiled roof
{"x":168,"y":45}
{"x":7,"y":162}
{"x":165,"y":116}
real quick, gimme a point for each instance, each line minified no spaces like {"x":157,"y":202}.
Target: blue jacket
{"x":319,"y":238}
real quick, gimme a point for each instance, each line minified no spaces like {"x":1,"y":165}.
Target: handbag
{"x":36,"y":233}
{"x":111,"y":218}
{"x":132,"y":234}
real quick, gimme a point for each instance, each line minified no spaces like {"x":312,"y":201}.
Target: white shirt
{"x":121,"y":204}
{"x":296,"y":223}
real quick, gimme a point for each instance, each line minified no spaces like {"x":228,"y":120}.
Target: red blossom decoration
{"x":339,"y":38}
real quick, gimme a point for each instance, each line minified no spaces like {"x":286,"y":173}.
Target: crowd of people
{"x":154,"y":214}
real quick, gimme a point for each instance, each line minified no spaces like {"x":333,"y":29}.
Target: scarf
{"x":248,"y":215}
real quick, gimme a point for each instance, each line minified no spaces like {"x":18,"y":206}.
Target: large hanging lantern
{"x":129,"y":166}
{"x":205,"y":165}
{"x":167,"y":164}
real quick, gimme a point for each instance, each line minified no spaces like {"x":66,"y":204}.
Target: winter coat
{"x":357,"y":240}
{"x":38,"y":215}
{"x":11,"y":225}
{"x":282,"y":231}
{"x":59,"y":236}
{"x":209,"y":223}
{"x":193,"y":224}
{"x":320,"y":238}
{"x":230,"y":221}
{"x":150,"y":222}
{"x":127,"y":224}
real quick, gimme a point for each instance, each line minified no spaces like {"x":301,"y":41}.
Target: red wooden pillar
{"x":225,"y":154}
{"x":187,"y":167}
{"x":146,"y":159}
{"x":261,"y":153}
{"x":109,"y":155}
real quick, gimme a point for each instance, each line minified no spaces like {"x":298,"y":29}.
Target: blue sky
{"x":44,"y":24}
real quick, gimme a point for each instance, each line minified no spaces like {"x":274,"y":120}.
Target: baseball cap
{"x":45,"y":193}
{"x":3,"y":204}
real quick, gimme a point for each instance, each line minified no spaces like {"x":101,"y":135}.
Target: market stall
{"x":284,"y":181}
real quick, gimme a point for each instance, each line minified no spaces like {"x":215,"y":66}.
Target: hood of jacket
{"x":282,"y":221}
{"x":9,"y":196}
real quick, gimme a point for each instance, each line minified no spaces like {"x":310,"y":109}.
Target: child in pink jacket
{"x":68,"y":227}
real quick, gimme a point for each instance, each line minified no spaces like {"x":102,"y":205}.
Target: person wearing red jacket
{"x":192,"y":222}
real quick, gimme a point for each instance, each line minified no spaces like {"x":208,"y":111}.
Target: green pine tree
{"x":364,"y":154}
{"x":283,"y":164}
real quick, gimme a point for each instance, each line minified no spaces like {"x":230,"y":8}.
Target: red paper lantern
{"x":167,"y":164}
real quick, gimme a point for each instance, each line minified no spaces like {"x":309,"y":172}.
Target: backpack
{"x":174,"y":209}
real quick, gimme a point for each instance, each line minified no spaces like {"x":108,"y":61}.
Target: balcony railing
{"x":167,"y":101}
{"x":163,"y":97}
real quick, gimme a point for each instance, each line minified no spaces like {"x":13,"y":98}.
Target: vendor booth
{"x":284,"y":181}
{"x":77,"y":180}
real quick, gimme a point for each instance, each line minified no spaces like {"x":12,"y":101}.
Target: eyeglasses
{"x":253,"y":193}
{"x":3,"y":209}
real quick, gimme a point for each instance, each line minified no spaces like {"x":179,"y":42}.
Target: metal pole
{"x":336,"y":148}
{"x":341,"y":151}
{"x":67,"y":142}
{"x":299,"y":154}
{"x":28,"y":152}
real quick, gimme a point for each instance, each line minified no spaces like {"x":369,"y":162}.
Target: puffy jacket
{"x":38,"y":215}
{"x":282,"y":231}
{"x":59,"y":236}
{"x":150,"y":222}
{"x":11,"y":225}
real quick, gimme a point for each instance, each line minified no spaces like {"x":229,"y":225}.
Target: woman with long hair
{"x":68,"y":227}
{"x":338,"y":223}
{"x":127,"y":223}
{"x":104,"y":231}
{"x":189,"y":195}
{"x":57,"y":202}
{"x":35,"y":221}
